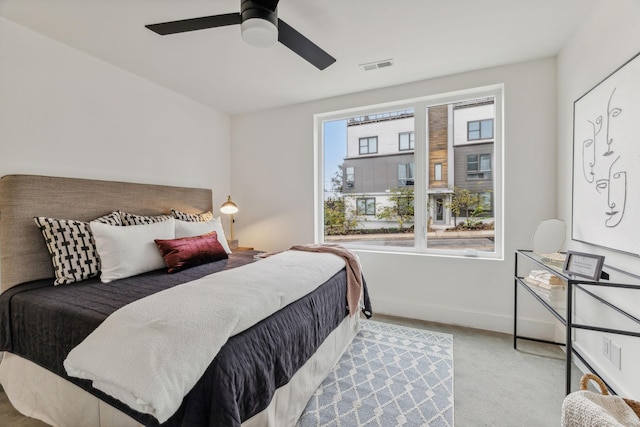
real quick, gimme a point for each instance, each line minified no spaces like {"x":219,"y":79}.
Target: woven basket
{"x":588,"y":409}
{"x":584,"y":381}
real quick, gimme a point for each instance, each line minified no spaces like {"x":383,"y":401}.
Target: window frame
{"x":437,"y":171}
{"x":366,"y":206}
{"x":478,"y":173}
{"x":419,"y":104}
{"x":350,"y":183}
{"x":479,"y":130}
{"x":411,"y":141}
{"x":368,"y":139}
{"x":410,"y":174}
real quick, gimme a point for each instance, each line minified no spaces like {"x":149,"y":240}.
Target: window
{"x":484,"y":199}
{"x":424,"y":180}
{"x":350,"y":176}
{"x":480,"y":129}
{"x":479,"y":166}
{"x":405,"y":174}
{"x":366,"y":206}
{"x":406,"y":141}
{"x":369,"y":145}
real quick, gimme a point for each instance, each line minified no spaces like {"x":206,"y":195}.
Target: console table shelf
{"x":566,"y":314}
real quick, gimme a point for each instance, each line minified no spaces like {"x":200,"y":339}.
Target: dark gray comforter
{"x":43,"y":323}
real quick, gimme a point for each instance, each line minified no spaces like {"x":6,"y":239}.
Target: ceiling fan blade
{"x":303,"y":46}
{"x":184,"y":25}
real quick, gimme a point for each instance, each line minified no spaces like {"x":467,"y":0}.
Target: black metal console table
{"x":565,"y":315}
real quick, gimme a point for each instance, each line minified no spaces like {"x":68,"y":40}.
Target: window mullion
{"x":421,"y":159}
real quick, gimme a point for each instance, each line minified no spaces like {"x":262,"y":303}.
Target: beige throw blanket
{"x":354,"y":270}
{"x":151,"y":352}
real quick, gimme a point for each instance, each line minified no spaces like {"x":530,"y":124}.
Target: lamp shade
{"x":229,"y":207}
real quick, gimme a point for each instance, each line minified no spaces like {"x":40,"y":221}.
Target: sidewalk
{"x":437,"y":234}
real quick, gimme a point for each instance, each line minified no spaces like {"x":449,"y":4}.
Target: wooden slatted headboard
{"x":23,"y":254}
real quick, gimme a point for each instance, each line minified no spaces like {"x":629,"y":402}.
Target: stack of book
{"x":548,"y":286}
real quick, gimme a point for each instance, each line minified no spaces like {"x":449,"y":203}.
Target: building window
{"x":366,"y":206}
{"x":406,"y":141}
{"x":484,"y":199}
{"x":478,"y":166}
{"x":369,"y":145}
{"x":437,"y":172}
{"x":350,"y":176}
{"x":405,"y":174}
{"x":480,"y":129}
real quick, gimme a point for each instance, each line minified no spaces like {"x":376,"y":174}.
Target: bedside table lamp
{"x":230,"y":208}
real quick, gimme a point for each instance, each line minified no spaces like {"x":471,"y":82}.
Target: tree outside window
{"x":400,"y":207}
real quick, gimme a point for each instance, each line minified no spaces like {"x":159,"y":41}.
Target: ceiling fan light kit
{"x":259,"y":24}
{"x":260,"y":27}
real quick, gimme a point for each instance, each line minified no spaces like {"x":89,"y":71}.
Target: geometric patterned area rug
{"x":389,"y":376}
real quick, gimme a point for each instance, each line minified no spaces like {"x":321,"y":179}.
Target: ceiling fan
{"x":260,"y":26}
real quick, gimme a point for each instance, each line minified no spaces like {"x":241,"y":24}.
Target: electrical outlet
{"x":606,"y":347}
{"x":615,"y":354}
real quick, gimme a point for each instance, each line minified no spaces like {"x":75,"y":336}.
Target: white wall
{"x":273,"y":183}
{"x":65,"y":113}
{"x":606,"y":40}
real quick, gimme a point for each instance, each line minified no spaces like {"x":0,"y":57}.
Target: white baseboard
{"x":473,"y":319}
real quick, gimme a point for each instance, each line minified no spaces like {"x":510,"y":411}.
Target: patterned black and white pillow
{"x":183,"y":216}
{"x":72,"y":249}
{"x":111,"y":219}
{"x":133,"y":219}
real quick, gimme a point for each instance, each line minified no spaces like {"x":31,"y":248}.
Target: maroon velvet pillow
{"x":188,"y":252}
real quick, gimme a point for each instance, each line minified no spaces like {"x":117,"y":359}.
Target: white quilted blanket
{"x":150,"y":353}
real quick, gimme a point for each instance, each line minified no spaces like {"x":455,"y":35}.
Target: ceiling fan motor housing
{"x":250,"y":9}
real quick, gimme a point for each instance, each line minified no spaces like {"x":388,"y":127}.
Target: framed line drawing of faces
{"x":606,"y":162}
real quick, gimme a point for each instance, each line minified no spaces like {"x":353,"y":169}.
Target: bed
{"x":262,"y":376}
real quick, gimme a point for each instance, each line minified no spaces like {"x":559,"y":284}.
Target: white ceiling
{"x":425,"y":39}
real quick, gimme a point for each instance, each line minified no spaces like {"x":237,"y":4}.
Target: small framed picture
{"x":583,"y":265}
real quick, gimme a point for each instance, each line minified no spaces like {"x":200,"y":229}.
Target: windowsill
{"x":481,"y":256}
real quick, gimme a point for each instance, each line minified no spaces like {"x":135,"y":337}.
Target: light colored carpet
{"x":389,"y":376}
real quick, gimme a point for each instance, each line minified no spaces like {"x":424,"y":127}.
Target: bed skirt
{"x":39,"y":393}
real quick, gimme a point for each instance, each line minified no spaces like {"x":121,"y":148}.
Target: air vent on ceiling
{"x":378,"y":64}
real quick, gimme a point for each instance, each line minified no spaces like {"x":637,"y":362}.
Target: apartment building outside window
{"x":410,"y":173}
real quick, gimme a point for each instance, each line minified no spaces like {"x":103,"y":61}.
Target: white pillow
{"x":190,"y":229}
{"x":127,"y":251}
